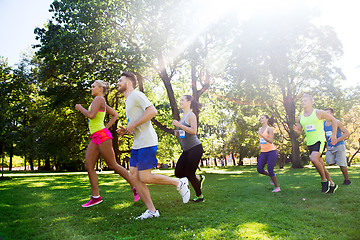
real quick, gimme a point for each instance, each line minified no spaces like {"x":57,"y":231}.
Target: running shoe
{"x":271,"y":182}
{"x":346,"y":182}
{"x":136,"y":195}
{"x":202,"y":180}
{"x":333,"y":188}
{"x":93,"y":201}
{"x":198,"y":199}
{"x":325,"y":186}
{"x":183,"y":189}
{"x":276,"y":189}
{"x":149,"y":214}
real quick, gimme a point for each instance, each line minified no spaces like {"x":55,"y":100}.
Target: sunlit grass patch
{"x":253,"y":230}
{"x":210,"y":233}
{"x":122,"y":205}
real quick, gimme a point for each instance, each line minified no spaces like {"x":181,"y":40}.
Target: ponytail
{"x":271,"y":120}
{"x":195,"y":105}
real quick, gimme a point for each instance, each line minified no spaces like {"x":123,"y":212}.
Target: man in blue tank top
{"x":337,"y":153}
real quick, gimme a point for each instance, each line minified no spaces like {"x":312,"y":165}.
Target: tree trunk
{"x":11,"y":155}
{"x":289,"y":105}
{"x":47,"y":164}
{"x":349,"y":161}
{"x":295,"y":151}
{"x":233,"y":158}
{"x":170,"y":92}
{"x":215,"y":162}
{"x":25,"y":163}
{"x":2,"y":158}
{"x":282,"y":160}
{"x":140,"y":82}
{"x":31,"y":162}
{"x":240,"y":163}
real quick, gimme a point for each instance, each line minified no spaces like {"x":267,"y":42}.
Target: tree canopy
{"x":237,"y":69}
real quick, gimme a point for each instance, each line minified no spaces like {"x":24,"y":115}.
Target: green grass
{"x":239,"y":205}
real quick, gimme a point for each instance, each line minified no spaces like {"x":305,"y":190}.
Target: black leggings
{"x":187,"y":164}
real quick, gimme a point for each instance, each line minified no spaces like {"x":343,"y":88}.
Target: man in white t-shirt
{"x":139,"y":112}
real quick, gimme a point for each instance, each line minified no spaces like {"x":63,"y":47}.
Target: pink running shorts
{"x":101,"y":136}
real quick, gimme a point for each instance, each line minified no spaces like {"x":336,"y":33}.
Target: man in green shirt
{"x":312,"y":122}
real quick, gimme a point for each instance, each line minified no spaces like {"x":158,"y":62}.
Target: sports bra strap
{"x":186,"y":118}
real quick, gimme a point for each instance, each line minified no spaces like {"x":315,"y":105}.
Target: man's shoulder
{"x":137,"y":93}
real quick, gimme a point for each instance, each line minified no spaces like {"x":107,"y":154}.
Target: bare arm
{"x":114,"y":116}
{"x":345,"y":132}
{"x":324,"y":115}
{"x":95,"y":106}
{"x":192,"y":122}
{"x":148,"y":114}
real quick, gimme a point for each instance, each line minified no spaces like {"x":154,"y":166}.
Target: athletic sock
{"x":96,"y":196}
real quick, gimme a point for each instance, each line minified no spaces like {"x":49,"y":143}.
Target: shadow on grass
{"x":236,"y":206}
{"x":5,"y":178}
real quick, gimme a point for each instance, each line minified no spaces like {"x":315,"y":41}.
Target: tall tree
{"x":282,"y":55}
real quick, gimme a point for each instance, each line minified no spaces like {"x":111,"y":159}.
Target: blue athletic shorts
{"x":144,"y":158}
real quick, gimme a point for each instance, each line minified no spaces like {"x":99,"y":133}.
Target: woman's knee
{"x":260,"y":170}
{"x":112,"y":164}
{"x":271,"y":172}
{"x":88,"y":166}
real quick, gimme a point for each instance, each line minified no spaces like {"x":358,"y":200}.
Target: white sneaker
{"x":148,"y":214}
{"x":183,"y":189}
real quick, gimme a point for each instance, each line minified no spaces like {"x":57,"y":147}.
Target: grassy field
{"x":239,"y":205}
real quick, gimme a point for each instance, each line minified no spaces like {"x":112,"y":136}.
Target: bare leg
{"x":148,"y":178}
{"x":274,"y":179}
{"x":91,"y":156}
{"x":142,"y":189}
{"x":108,"y":154}
{"x":318,"y":162}
{"x":344,"y":172}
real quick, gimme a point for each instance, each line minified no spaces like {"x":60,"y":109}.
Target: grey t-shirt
{"x":144,"y":135}
{"x":190,"y":140}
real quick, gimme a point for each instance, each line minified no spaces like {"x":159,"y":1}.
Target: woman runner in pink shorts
{"x":101,"y":141}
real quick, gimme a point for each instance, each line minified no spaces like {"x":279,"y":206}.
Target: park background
{"x":237,"y":66}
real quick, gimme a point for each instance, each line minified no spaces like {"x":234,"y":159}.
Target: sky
{"x":19,"y":18}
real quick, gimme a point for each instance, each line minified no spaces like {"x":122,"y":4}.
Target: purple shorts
{"x":101,"y":136}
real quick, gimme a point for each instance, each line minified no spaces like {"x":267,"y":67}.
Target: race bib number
{"x":181,"y":133}
{"x":262,"y":141}
{"x":310,"y":128}
{"x":328,"y":133}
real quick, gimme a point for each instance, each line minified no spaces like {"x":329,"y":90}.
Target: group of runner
{"x":139,"y":112}
{"x":319,"y":133}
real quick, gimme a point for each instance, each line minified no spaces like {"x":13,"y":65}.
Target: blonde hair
{"x":104,"y":85}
